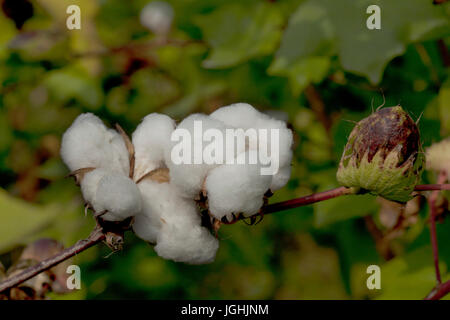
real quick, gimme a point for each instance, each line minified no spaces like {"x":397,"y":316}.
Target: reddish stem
{"x":439,"y":292}
{"x":303,"y":201}
{"x":433,"y":212}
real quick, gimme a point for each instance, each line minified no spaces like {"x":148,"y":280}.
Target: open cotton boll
{"x":280,"y":179}
{"x":239,"y":115}
{"x":192,"y":245}
{"x":120,"y":159}
{"x":245,"y":116}
{"x":87,"y":143}
{"x":236,"y":188}
{"x":89,"y":183}
{"x":162,"y":204}
{"x":188,"y":171}
{"x":151,"y":139}
{"x":118,"y":195}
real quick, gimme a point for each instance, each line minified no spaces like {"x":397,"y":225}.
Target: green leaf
{"x":409,"y":276}
{"x":237,"y":33}
{"x":343,"y":208}
{"x":74,"y":82}
{"x":20,"y":219}
{"x":323,"y":28}
{"x":444,"y":105}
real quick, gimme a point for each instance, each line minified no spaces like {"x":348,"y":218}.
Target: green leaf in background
{"x":343,"y":208}
{"x":8,"y":32}
{"x":237,"y":33}
{"x":322,"y":28}
{"x":410,"y":276}
{"x":444,"y":106}
{"x":74,"y":82}
{"x":20,"y":219}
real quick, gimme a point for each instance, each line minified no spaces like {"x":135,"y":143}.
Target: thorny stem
{"x":98,"y":235}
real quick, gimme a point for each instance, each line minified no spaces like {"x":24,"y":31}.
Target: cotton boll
{"x":236,"y":188}
{"x":283,"y":148}
{"x":151,"y":139}
{"x":87,"y":143}
{"x":89,"y":183}
{"x":185,"y":174}
{"x":157,"y":16}
{"x":162,"y":204}
{"x":120,"y":160}
{"x":192,"y":245}
{"x":118,"y":195}
{"x":243,"y":115}
{"x":239,"y":115}
{"x":83,"y":143}
{"x":280,"y":179}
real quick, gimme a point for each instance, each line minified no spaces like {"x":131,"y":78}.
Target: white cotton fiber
{"x":151,"y":139}
{"x":118,"y":195}
{"x":88,"y":143}
{"x":194,"y":245}
{"x":245,"y":116}
{"x":239,"y":115}
{"x":162,"y":204}
{"x":89,"y":183}
{"x":280,"y":179}
{"x":187,"y":176}
{"x":236,"y":188}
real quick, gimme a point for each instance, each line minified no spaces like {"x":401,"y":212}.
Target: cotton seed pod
{"x":382,"y":155}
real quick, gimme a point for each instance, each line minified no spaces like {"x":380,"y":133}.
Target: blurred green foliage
{"x":314,"y":60}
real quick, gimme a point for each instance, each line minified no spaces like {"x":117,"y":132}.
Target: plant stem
{"x":439,"y":291}
{"x":98,"y":235}
{"x":433,"y":212}
{"x":303,"y":201}
{"x":95,"y":237}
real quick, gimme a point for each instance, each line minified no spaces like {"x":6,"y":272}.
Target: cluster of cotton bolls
{"x":165,"y":197}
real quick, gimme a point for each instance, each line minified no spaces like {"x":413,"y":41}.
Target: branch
{"x":433,"y":212}
{"x":95,"y":237}
{"x":98,"y":234}
{"x":439,"y":291}
{"x":303,"y":201}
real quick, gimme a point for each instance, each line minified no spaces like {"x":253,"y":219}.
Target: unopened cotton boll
{"x":119,"y":196}
{"x":151,"y":140}
{"x":185,"y":174}
{"x":236,"y":188}
{"x":87,"y":143}
{"x":192,"y":245}
{"x":161,"y":203}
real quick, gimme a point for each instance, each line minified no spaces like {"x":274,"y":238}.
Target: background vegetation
{"x":314,"y":60}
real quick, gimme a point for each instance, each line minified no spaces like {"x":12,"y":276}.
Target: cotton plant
{"x":165,"y":201}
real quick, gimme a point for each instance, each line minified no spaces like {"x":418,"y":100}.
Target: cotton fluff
{"x":193,"y":245}
{"x":162,"y":204}
{"x":88,"y":143}
{"x":236,"y":188}
{"x":188,"y":178}
{"x":118,"y":195}
{"x":151,"y":139}
{"x":438,"y":156}
{"x":89,"y":184}
{"x":243,"y":115}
